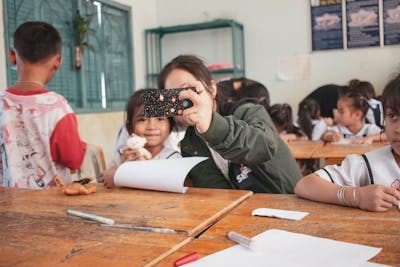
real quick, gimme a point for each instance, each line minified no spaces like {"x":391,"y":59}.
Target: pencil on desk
{"x":143,"y":228}
{"x":93,"y":217}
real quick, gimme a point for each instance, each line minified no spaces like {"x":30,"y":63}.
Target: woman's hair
{"x":308,"y":110}
{"x":134,"y":106}
{"x":189,"y":63}
{"x":281,"y":115}
{"x":364,"y":88}
{"x":358,"y":101}
{"x":391,"y":95}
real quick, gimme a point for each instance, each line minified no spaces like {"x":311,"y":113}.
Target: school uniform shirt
{"x":319,"y":128}
{"x":168,"y":153}
{"x":39,"y":139}
{"x":353,"y":171}
{"x":366,"y":130}
{"x":375,"y":112}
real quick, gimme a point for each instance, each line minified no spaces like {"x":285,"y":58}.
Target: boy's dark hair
{"x":364,"y":88}
{"x":133,"y":107}
{"x":308,"y":110}
{"x":255,"y":90}
{"x":281,"y":115}
{"x":391,"y":96}
{"x":359,"y":102}
{"x":35,"y":41}
{"x":189,"y":63}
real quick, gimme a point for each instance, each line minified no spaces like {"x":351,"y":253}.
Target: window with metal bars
{"x":105,"y":79}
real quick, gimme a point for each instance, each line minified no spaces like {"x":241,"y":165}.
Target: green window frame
{"x":105,"y":79}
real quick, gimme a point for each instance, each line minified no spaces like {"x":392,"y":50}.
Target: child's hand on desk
{"x":377,"y":197}
{"x":363,"y":140}
{"x":107,"y":177}
{"x":331,"y":136}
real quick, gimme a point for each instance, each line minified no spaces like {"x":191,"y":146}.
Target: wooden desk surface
{"x":304,"y":149}
{"x":330,"y":150}
{"x":36,"y":231}
{"x":379,"y":229}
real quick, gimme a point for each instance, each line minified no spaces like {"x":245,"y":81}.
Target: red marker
{"x":186,"y":259}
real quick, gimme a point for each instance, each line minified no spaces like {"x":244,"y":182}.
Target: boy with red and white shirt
{"x":39,"y":135}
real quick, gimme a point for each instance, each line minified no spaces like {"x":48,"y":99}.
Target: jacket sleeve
{"x":248,"y":136}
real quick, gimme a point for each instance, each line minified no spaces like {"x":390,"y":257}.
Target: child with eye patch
{"x":370,"y":181}
{"x":352,"y":108}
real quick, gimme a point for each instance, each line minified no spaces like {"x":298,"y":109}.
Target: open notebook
{"x":161,"y":174}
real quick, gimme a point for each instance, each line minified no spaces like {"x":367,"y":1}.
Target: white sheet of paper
{"x":294,"y":68}
{"x":282,"y":248}
{"x":281,"y":214}
{"x":161,"y":175}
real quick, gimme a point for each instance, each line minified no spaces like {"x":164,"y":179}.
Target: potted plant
{"x":82,"y":30}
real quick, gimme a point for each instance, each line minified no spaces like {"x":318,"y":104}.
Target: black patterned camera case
{"x":165,"y":103}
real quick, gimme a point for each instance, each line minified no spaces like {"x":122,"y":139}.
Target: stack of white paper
{"x":282,"y":248}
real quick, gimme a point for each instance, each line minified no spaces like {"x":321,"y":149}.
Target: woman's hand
{"x":107,"y":177}
{"x":200,"y":114}
{"x":363,"y":140}
{"x":377,"y":197}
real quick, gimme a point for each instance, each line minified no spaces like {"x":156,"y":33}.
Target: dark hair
{"x":249,"y":91}
{"x":35,"y":41}
{"x":133,"y":106}
{"x":255,"y":90}
{"x":281,"y":115}
{"x":189,"y":63}
{"x":391,"y":95}
{"x":358,"y":101}
{"x":364,"y":88}
{"x":226,"y":97}
{"x":308,"y":110}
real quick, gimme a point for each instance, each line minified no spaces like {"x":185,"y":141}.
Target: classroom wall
{"x":102,"y":128}
{"x":280,"y":29}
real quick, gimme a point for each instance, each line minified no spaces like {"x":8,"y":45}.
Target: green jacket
{"x":246,"y":138}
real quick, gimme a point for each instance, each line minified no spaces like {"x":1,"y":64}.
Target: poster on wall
{"x":326,"y":21}
{"x":362,"y":23}
{"x":391,"y":22}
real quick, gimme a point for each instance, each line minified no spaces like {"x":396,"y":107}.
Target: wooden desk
{"x":379,"y":229}
{"x":335,"y":153}
{"x":304,"y":149}
{"x":36,"y":231}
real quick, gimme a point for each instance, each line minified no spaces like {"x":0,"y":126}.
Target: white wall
{"x":275,"y":29}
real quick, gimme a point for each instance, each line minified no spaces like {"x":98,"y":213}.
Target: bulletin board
{"x":337,"y":24}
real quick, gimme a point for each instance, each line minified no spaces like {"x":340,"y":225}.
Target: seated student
{"x":39,"y":132}
{"x":155,"y":130}
{"x":244,"y":150}
{"x":352,"y":108}
{"x":363,"y":181}
{"x":375,"y":109}
{"x":309,"y":119}
{"x":281,"y":115}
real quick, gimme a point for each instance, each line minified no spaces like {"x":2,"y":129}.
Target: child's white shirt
{"x":366,"y":130}
{"x":319,"y":128}
{"x":374,"y":103}
{"x":353,"y":170}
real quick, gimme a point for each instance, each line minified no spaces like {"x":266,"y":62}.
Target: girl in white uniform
{"x":363,"y":181}
{"x":352,"y":108}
